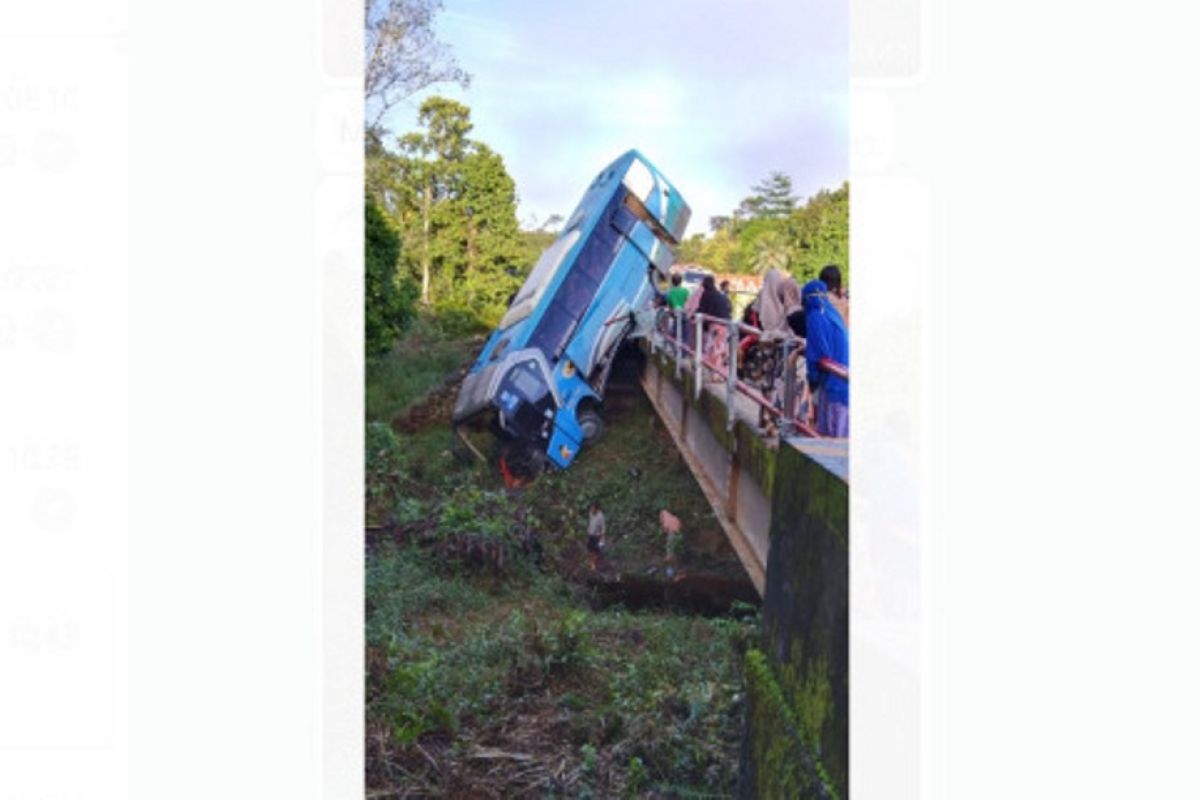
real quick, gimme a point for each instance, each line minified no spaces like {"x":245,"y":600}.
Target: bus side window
{"x":597,"y":257}
{"x":623,"y":219}
{"x":551,"y":335}
{"x":576,"y":292}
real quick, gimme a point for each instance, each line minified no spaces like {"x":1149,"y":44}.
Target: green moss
{"x":811,"y":693}
{"x":756,"y":457}
{"x":713,"y":408}
{"x":814,"y":492}
{"x":796,"y":735}
{"x":784,"y":764}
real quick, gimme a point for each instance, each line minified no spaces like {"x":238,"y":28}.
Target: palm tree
{"x":770,"y":252}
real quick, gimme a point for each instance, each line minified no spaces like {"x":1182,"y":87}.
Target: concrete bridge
{"x":783,"y":501}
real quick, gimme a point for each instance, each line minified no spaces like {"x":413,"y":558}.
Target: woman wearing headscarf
{"x":779,"y":306}
{"x":827,"y":339}
{"x":714,"y":303}
{"x":781,"y":316}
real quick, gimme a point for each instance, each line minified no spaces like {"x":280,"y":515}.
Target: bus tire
{"x":592,"y":424}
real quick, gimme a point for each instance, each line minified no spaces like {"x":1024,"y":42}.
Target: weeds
{"x":488,"y":674}
{"x":419,"y":362}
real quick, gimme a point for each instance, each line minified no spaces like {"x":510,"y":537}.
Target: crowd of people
{"x":808,"y":322}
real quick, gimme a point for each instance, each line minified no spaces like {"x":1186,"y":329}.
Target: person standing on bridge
{"x":689,"y":311}
{"x":677,"y":295}
{"x":676,"y":298}
{"x":832,"y":277}
{"x":714,"y":303}
{"x":781,"y":315}
{"x":827,"y":340}
{"x":595,"y":535}
{"x":780,"y":306}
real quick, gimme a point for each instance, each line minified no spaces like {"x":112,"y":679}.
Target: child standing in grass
{"x":595,"y":534}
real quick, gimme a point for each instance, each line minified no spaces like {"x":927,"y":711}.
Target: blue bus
{"x":540,"y":377}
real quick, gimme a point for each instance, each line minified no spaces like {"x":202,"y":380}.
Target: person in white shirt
{"x":595,"y":534}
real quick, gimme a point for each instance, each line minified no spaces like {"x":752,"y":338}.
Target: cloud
{"x":717,"y":98}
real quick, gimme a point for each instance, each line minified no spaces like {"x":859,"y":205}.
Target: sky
{"x":716,"y":94}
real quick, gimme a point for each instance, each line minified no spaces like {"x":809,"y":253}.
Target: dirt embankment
{"x":434,"y":409}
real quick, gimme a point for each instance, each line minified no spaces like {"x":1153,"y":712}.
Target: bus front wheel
{"x":592,"y":425}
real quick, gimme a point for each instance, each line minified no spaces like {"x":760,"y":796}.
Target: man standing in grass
{"x":595,"y":535}
{"x":671,"y":527}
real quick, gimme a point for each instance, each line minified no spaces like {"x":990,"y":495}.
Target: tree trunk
{"x":428,"y":200}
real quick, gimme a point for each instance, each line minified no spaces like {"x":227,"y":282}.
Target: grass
{"x":419,"y":362}
{"x":491,"y":669}
{"x":586,"y":703}
{"x":633,"y":472}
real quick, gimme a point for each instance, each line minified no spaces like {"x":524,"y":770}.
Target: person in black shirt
{"x":713,"y":301}
{"x":715,"y":304}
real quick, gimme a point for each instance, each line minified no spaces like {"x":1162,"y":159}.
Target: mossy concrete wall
{"x":796,"y":741}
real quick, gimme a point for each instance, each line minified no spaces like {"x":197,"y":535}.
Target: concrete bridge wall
{"x":785,"y":510}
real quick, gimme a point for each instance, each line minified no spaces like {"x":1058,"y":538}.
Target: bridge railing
{"x":790,"y":414}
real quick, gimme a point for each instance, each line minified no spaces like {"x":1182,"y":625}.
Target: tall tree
{"x":428,"y":166}
{"x":403,"y":55}
{"x":457,"y":211}
{"x":773,"y":196}
{"x":491,"y":241}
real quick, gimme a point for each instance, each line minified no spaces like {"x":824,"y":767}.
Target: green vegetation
{"x":389,"y":299}
{"x":497,"y":665}
{"x":769,"y":229}
{"x":516,"y":673}
{"x":780,"y":731}
{"x":454,"y":204}
{"x":493,"y":668}
{"x":413,"y":366}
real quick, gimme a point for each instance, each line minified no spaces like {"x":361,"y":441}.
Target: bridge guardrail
{"x":669,"y":338}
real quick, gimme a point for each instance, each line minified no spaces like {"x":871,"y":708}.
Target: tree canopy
{"x":771,"y":229}
{"x":454,"y":204}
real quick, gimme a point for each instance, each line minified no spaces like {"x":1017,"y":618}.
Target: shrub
{"x":384,"y":471}
{"x":389,"y":301}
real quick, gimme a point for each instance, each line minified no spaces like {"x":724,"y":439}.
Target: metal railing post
{"x":787,"y":422}
{"x":731,"y":354}
{"x":678,"y":315}
{"x":698,"y":354}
